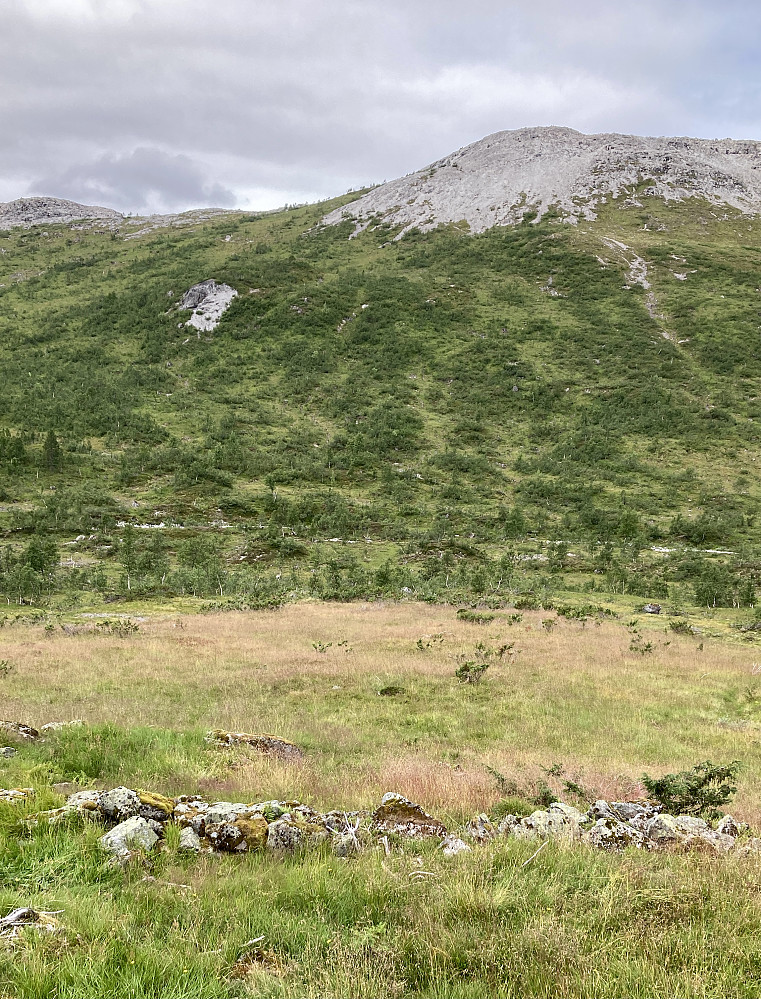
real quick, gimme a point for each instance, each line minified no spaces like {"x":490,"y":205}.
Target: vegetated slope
{"x":507,"y":176}
{"x":470,"y":404}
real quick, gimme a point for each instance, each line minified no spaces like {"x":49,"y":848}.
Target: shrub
{"x":699,"y":791}
{"x":471,"y":671}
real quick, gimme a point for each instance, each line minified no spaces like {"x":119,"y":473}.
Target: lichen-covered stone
{"x":610,"y":834}
{"x":397,"y":814}
{"x":750,"y":847}
{"x":20,"y":730}
{"x":728,"y":827}
{"x":507,"y":825}
{"x":338,"y":821}
{"x":225,"y":811}
{"x":135,"y":833}
{"x":663,"y":829}
{"x":452,"y":845}
{"x":6,"y":752}
{"x":345,"y":845}
{"x":481,"y":829}
{"x":273,"y":745}
{"x":155,"y":806}
{"x":547,"y":825}
{"x":254,"y":831}
{"x":119,"y":804}
{"x":226,"y":836}
{"x":16,"y":795}
{"x":283,"y":836}
{"x":85,"y":803}
{"x":272,"y":810}
{"x":190,"y":840}
{"x":571,"y":814}
{"x":57,"y":726}
{"x":191,"y":814}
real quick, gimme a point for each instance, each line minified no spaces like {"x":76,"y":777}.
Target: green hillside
{"x":465,"y":427}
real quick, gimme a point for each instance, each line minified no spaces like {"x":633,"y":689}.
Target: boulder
{"x":293,"y":831}
{"x":572,"y":814}
{"x":190,"y":840}
{"x":633,"y":812}
{"x":272,"y":745}
{"x":397,"y":814}
{"x":16,"y":795}
{"x":20,"y":730}
{"x":345,"y":844}
{"x":507,"y":825}
{"x":85,"y":803}
{"x":283,"y":836}
{"x":6,"y":752}
{"x":610,"y":834}
{"x":225,"y":811}
{"x":547,"y":825}
{"x":750,"y":847}
{"x":238,"y":836}
{"x":209,"y":301}
{"x":155,"y":806}
{"x":56,"y":726}
{"x":118,"y":804}
{"x":135,"y":833}
{"x":451,"y":846}
{"x":191,"y":816}
{"x":663,"y":829}
{"x":728,"y":827}
{"x":480,"y":829}
{"x":338,"y":821}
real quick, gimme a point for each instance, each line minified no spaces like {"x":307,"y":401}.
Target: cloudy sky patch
{"x":147,"y":106}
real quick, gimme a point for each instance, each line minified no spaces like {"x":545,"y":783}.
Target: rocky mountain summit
{"x":502,"y":178}
{"x":26,"y":212}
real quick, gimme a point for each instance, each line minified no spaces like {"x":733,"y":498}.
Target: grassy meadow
{"x":572,"y":708}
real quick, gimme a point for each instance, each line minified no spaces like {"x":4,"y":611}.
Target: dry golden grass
{"x":575,"y":695}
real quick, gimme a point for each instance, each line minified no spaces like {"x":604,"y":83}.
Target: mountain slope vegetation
{"x":483,"y":416}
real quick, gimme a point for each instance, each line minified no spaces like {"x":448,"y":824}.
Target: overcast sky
{"x":163,"y":105}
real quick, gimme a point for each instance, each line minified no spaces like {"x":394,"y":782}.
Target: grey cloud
{"x":143,"y":180}
{"x":313,"y":98}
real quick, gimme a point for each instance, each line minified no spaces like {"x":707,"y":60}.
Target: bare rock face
{"x":26,"y":212}
{"x":209,"y":302}
{"x":505,"y":176}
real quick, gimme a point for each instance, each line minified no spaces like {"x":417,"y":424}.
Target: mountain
{"x":25,"y":212}
{"x":510,"y":175}
{"x":457,"y":414}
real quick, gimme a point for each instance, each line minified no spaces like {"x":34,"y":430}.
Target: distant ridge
{"x":501,"y":178}
{"x":26,"y":212}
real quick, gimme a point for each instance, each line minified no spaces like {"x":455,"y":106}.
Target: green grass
{"x":569,"y":923}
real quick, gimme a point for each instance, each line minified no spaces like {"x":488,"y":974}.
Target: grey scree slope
{"x":496,"y":180}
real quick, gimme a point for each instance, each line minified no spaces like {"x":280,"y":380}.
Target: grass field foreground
{"x":570,"y":707}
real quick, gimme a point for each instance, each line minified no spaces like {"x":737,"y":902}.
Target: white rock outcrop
{"x":209,"y":302}
{"x":497,"y":180}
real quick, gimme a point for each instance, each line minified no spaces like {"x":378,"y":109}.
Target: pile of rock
{"x":138,"y":820}
{"x":615,"y":825}
{"x":16,"y":795}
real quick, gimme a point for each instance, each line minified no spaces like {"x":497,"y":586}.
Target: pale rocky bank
{"x":501,"y":178}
